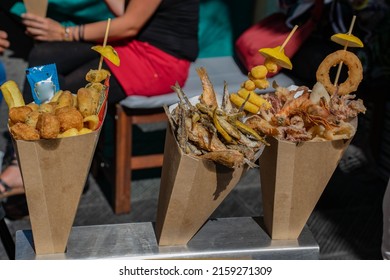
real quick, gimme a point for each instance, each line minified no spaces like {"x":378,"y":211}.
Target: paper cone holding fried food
{"x":293,"y":177}
{"x":205,"y":156}
{"x":55,"y":170}
{"x":54,"y":174}
{"x":191,"y":189}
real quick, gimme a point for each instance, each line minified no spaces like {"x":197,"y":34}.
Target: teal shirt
{"x":215,"y":30}
{"x":72,"y":12}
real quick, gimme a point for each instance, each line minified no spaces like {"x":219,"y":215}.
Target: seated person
{"x":156,"y":41}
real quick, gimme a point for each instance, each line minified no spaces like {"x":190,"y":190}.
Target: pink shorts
{"x":146,"y":70}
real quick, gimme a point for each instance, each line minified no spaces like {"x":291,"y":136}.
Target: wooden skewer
{"x":104,"y":42}
{"x":288,"y":37}
{"x":345,"y":48}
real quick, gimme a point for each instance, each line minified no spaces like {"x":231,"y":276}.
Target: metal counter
{"x":226,"y":238}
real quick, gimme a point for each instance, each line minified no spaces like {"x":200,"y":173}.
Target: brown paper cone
{"x":191,"y":189}
{"x":36,"y":7}
{"x":54,"y":174}
{"x":293,"y":177}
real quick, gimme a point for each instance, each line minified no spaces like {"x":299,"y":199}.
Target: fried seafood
{"x":32,"y":118}
{"x":22,"y":131}
{"x":355,"y":72}
{"x":230,"y":158}
{"x":208,"y":96}
{"x":48,"y":126}
{"x":69,"y":117}
{"x":19,"y":114}
{"x":97,"y":76}
{"x":33,"y":106}
{"x":302,"y":115}
{"x":47,"y":107}
{"x":64,"y":115}
{"x":87,"y":101}
{"x":65,"y":99}
{"x":212,"y":132}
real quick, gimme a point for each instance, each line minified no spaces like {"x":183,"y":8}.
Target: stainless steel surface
{"x":225,"y":238}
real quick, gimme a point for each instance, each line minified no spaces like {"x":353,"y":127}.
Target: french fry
{"x":68,"y":133}
{"x":84,"y":130}
{"x":12,"y":95}
{"x":91,"y":122}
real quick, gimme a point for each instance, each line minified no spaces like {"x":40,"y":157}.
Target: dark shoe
{"x":16,"y":207}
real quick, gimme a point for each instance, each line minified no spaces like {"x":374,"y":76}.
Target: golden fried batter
{"x":46,"y":108}
{"x":69,"y":118}
{"x":65,"y":99}
{"x":96,"y":76}
{"x":22,"y":131}
{"x":19,"y":114}
{"x":86,"y":102}
{"x":33,"y":106}
{"x":32,"y":118}
{"x":48,"y":126}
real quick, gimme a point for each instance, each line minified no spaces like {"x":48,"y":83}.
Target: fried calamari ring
{"x":355,"y":72}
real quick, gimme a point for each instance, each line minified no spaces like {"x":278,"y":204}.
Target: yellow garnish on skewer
{"x":347,"y":40}
{"x":277,"y":54}
{"x":107,"y":51}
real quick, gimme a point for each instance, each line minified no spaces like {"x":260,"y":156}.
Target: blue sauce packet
{"x":43,"y":81}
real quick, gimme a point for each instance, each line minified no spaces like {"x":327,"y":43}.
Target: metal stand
{"x":227,"y":238}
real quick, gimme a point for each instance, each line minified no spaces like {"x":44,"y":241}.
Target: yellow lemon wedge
{"x":277,"y":55}
{"x":347,"y":39}
{"x":108,"y":52}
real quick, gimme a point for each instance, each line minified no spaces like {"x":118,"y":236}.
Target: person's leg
{"x":386,"y":224}
{"x":11,"y":181}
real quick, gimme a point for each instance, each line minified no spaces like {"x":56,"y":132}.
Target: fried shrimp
{"x":355,"y":72}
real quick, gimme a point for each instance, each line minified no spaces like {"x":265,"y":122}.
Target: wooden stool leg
{"x":123,"y":152}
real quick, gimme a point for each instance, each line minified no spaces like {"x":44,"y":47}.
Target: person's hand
{"x":4,"y":43}
{"x":43,"y":29}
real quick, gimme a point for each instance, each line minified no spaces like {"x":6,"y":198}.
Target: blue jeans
{"x":2,"y":78}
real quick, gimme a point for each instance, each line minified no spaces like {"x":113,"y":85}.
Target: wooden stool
{"x":125,"y":161}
